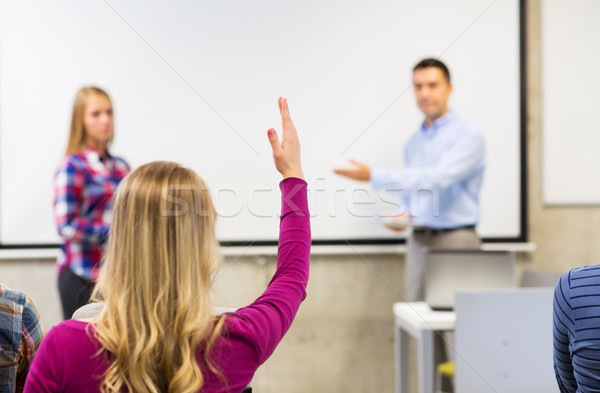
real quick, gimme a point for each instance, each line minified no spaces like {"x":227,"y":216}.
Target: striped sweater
{"x":577,"y":330}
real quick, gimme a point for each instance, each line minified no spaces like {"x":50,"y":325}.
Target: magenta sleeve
{"x":45,"y":370}
{"x":271,"y":315}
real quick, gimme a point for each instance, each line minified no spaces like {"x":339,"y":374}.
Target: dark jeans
{"x":74,"y":292}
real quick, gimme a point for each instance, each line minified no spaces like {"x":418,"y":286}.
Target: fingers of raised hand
{"x":286,"y":118}
{"x":274,"y":139}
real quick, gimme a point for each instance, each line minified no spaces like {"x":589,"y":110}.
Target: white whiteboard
{"x":570,"y":84}
{"x":197,"y":82}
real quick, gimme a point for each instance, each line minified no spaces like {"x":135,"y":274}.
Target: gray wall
{"x":342,"y":338}
{"x":566,"y":236}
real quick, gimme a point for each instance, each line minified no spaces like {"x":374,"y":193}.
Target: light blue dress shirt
{"x":444,"y":164}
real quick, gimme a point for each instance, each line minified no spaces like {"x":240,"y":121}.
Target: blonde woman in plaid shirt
{"x":21,"y":333}
{"x":83,"y":192}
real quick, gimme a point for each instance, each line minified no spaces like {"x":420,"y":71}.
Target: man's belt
{"x":438,"y":231}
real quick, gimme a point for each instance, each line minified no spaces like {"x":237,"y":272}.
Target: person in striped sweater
{"x":577,"y":330}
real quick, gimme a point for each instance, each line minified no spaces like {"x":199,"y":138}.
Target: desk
{"x":418,"y":320}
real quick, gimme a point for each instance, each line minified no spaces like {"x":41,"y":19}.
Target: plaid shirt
{"x":21,"y":333}
{"x":83,"y":194}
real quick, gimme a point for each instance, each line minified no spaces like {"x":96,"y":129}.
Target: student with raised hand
{"x":83,"y":191}
{"x":156,"y":331}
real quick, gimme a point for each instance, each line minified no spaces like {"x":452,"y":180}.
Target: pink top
{"x":66,"y":360}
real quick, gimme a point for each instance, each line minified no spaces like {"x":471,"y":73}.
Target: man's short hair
{"x":431,"y":62}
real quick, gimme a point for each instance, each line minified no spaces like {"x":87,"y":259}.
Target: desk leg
{"x":426,"y":360}
{"x":401,"y":354}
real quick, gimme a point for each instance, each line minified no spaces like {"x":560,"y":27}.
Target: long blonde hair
{"x":156,"y":282}
{"x":77,"y":133}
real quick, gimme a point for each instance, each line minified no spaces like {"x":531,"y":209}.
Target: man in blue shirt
{"x":440,"y":183}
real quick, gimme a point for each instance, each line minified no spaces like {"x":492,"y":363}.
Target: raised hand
{"x":286,"y":153}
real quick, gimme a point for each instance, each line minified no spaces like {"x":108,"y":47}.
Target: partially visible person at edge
{"x":577,"y":330}
{"x":84,"y":185}
{"x":440,"y":182}
{"x":156,"y":331}
{"x":21,"y":333}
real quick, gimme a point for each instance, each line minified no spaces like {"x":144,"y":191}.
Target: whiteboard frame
{"x":391,"y":242}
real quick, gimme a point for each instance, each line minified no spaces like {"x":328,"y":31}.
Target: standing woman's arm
{"x":69,"y":183}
